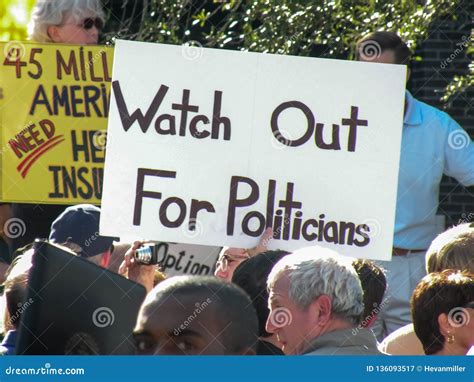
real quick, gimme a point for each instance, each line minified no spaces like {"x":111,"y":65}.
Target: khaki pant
{"x":403,"y":274}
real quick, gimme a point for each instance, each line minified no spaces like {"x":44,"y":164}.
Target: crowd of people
{"x":312,"y":301}
{"x":270,"y":302}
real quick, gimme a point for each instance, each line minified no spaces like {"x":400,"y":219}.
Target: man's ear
{"x":321,"y":309}
{"x":53,"y":33}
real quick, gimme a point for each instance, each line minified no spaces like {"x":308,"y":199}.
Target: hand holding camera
{"x":139,"y":264}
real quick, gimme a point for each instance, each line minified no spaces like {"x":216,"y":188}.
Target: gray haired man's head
{"x":318,"y":290}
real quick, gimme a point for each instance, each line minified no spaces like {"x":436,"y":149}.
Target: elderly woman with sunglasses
{"x":62,"y":22}
{"x":67,"y":21}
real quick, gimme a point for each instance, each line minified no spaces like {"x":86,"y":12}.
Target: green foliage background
{"x":289,"y":27}
{"x":320,"y":28}
{"x":13,"y":27}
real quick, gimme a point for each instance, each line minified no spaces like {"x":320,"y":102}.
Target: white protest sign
{"x":213,"y":147}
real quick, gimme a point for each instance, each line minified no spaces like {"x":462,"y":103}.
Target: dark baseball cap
{"x":79,"y":224}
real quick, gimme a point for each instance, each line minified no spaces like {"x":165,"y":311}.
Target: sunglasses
{"x":224,"y":261}
{"x":90,"y":22}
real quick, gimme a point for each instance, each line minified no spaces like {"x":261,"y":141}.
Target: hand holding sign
{"x":262,"y":244}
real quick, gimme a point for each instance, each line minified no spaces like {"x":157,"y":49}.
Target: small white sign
{"x":187,"y":259}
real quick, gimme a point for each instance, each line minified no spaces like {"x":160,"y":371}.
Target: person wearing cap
{"x":78,"y":229}
{"x":79,"y":224}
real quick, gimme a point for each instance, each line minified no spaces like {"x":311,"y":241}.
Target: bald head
{"x":196,"y":315}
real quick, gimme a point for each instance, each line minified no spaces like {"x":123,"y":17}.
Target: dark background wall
{"x":448,"y":38}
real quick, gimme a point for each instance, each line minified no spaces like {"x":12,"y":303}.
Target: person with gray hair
{"x":316,"y":305}
{"x":67,"y":21}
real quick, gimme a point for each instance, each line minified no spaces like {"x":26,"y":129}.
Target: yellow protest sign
{"x":53,"y":119}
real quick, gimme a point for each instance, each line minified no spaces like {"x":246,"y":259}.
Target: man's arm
{"x":459,"y":155}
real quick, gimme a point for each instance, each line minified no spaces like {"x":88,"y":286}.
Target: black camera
{"x":151,"y":254}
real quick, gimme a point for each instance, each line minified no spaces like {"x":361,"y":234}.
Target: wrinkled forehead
{"x":280,"y":286}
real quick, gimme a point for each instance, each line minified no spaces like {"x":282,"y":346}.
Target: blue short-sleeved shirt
{"x":433,"y":144}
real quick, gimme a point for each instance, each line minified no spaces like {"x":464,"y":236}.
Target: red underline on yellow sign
{"x":35,"y":155}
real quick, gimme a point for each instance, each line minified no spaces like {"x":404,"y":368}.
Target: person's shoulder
{"x":402,"y":341}
{"x":433,"y":117}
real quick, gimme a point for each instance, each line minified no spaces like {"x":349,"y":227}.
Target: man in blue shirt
{"x":433,"y":144}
